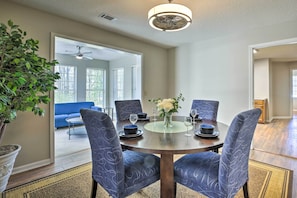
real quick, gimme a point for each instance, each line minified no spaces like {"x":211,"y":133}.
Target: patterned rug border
{"x":49,"y":180}
{"x":273,"y":177}
{"x":274,"y":173}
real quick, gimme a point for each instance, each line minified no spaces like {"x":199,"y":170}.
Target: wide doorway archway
{"x":92,"y":72}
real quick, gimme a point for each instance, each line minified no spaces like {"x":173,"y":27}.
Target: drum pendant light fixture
{"x":170,"y":17}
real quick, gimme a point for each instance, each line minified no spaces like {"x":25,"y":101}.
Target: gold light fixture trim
{"x":170,"y":17}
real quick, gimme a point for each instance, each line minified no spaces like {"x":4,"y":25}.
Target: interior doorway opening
{"x":279,"y":57}
{"x":87,"y":73}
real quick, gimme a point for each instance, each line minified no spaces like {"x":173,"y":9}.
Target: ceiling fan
{"x":81,"y":55}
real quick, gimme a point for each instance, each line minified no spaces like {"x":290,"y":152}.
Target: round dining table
{"x":155,"y":138}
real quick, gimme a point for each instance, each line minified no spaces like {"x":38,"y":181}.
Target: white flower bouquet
{"x":168,"y":105}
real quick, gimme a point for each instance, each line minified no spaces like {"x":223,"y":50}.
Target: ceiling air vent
{"x":107,"y":17}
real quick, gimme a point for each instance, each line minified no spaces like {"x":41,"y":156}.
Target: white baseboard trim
{"x":268,"y":121}
{"x":281,"y":117}
{"x":31,"y":166}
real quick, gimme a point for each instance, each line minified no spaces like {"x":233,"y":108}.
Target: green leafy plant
{"x":25,"y":77}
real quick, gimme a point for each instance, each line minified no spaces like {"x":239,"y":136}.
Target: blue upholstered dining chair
{"x":207,"y":109}
{"x":120,"y":173}
{"x":126,"y":107}
{"x":221,"y":176}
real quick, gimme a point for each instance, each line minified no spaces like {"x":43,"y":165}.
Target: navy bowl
{"x":130,"y":129}
{"x":142,"y":115}
{"x":206,"y":128}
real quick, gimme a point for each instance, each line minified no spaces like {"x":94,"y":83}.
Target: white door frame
{"x":251,"y":63}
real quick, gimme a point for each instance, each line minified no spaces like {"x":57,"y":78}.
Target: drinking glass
{"x":188,"y":122}
{"x":155,"y":111}
{"x":193,"y":113}
{"x":133,"y":118}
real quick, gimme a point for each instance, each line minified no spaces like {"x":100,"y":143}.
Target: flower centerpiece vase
{"x":168,"y":120}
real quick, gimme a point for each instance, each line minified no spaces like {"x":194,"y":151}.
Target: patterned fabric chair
{"x":125,"y":107}
{"x":119,"y":173}
{"x":221,"y":176}
{"x":207,"y":109}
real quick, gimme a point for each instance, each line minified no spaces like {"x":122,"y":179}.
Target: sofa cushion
{"x":70,"y":110}
{"x":63,"y":116}
{"x":71,"y":107}
{"x":60,"y":120}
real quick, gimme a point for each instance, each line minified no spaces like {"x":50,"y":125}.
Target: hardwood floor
{"x":274,"y":143}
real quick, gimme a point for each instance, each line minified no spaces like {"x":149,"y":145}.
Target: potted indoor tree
{"x":25,"y":82}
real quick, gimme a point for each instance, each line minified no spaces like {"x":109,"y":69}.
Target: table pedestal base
{"x":167,"y":176}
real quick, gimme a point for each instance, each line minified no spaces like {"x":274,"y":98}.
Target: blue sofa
{"x":70,"y":110}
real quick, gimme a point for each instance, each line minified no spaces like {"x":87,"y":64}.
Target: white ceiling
{"x":280,"y":53}
{"x":211,"y":18}
{"x":90,"y":51}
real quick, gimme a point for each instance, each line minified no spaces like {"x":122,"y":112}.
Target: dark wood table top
{"x":167,"y":143}
{"x":174,"y":143}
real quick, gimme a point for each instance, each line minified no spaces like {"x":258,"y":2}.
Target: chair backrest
{"x":233,"y":171}
{"x":126,"y":107}
{"x":107,"y":159}
{"x":207,"y":109}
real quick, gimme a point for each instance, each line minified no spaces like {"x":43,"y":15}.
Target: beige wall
{"x":262,"y":84}
{"x":219,"y":68}
{"x":281,"y":89}
{"x":261,"y":79}
{"x":34,"y":133}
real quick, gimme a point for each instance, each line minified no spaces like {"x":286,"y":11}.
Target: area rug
{"x":265,"y":181}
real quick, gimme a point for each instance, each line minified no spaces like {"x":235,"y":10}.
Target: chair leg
{"x":94,"y":189}
{"x":216,"y":150}
{"x":174,"y":189}
{"x":245,"y":190}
